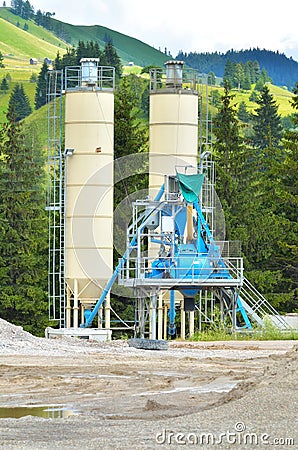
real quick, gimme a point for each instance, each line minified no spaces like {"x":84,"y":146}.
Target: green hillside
{"x":128,"y":48}
{"x":18,"y":46}
{"x":281,"y":96}
{"x":15,"y":41}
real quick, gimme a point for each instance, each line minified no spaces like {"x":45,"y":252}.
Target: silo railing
{"x":162,"y":79}
{"x":102,"y":79}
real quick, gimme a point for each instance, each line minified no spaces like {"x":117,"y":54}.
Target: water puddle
{"x":45,"y":411}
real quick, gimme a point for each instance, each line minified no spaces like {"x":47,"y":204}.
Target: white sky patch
{"x":193,"y":25}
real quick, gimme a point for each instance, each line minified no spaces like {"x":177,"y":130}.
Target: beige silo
{"x":89,"y":129}
{"x":173,"y":122}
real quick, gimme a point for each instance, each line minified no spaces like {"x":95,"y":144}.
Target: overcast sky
{"x":191,"y":25}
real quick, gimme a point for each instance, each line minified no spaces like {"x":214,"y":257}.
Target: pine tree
{"x":19,"y":103}
{"x":38,"y":18}
{"x":229,"y":74}
{"x":211,"y":78}
{"x":228,"y":147}
{"x":41,"y":87}
{"x":238,"y":75}
{"x":23,"y":236}
{"x":130,"y":137}
{"x":243,"y":114}
{"x":1,"y":61}
{"x":68,"y":59}
{"x":111,"y":58}
{"x":266,"y":122}
{"x":285,"y":203}
{"x":4,"y":85}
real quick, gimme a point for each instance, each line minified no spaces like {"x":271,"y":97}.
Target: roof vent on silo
{"x":174,"y":74}
{"x":89,"y":71}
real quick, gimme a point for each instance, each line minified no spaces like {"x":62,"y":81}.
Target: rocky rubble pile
{"x":14,"y":340}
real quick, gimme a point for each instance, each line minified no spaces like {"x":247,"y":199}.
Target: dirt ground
{"x":206,"y":395}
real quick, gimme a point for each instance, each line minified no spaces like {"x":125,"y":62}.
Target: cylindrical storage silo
{"x":173,"y":122}
{"x":89,"y":130}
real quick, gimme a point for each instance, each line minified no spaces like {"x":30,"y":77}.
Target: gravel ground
{"x":236,"y":394}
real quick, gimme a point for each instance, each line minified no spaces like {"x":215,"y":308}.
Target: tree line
{"x":243,"y":75}
{"x":282,"y":70}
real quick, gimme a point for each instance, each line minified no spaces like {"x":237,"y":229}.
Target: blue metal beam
{"x":89,"y":317}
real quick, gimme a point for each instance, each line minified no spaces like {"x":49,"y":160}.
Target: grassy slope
{"x":34,"y":29}
{"x":18,"y":46}
{"x":39,"y":119}
{"x":47,"y":44}
{"x":128,"y":48}
{"x":280,"y":95}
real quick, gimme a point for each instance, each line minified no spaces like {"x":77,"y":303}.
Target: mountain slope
{"x":36,"y":42}
{"x":13,"y":37}
{"x":128,"y":48}
{"x":19,"y":43}
{"x":18,"y":46}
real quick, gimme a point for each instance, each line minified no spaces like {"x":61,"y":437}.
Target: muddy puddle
{"x":44,"y":411}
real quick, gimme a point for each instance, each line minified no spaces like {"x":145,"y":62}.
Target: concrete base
{"x":97,"y":334}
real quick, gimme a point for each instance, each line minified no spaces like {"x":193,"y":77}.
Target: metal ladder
{"x":55,"y":200}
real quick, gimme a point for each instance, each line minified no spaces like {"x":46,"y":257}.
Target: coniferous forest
{"x":282,"y":70}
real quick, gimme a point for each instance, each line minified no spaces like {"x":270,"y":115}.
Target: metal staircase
{"x":258,"y":308}
{"x":252,"y":306}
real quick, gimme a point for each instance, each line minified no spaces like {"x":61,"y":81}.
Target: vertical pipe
{"x":153,"y":315}
{"x":191,"y":323}
{"x":150,"y":319}
{"x":82,"y":313}
{"x":160,"y":311}
{"x":172,"y":314}
{"x":76,"y":304}
{"x":182,"y":320}
{"x":108,"y":312}
{"x":142,"y":317}
{"x":165,"y":320}
{"x":68,"y":308}
{"x":221,"y":312}
{"x":234,"y":311}
{"x":100,"y":312}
